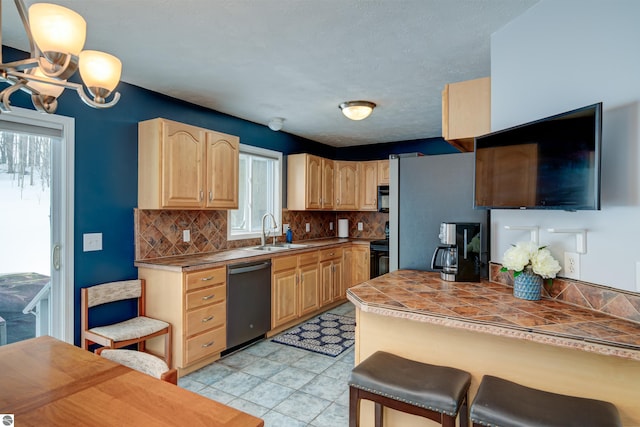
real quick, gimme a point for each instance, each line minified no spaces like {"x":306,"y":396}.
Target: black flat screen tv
{"x":552,"y":163}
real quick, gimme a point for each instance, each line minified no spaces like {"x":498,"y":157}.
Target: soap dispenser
{"x":289,"y":235}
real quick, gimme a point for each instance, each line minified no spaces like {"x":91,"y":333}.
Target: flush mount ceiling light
{"x":56,"y":38}
{"x":276,"y":123}
{"x":357,"y":110}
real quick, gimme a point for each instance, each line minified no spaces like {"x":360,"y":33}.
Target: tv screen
{"x":552,"y":163}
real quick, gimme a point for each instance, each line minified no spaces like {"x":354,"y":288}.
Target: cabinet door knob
{"x":209,"y":344}
{"x":201,"y":195}
{"x":210,"y":195}
{"x":207,"y":319}
{"x":205,"y":279}
{"x":208,"y":297}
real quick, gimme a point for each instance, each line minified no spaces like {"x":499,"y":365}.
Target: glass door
{"x":33,"y":233}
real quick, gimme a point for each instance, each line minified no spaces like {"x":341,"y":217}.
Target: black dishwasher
{"x":248,"y":302}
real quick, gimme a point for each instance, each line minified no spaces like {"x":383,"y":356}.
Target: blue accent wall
{"x":106,"y":172}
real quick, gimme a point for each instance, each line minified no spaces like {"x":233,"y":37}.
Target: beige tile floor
{"x":283,"y":385}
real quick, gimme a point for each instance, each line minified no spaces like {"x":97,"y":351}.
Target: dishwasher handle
{"x":247,"y":267}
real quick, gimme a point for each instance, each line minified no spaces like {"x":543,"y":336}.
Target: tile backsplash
{"x":158,"y":233}
{"x":604,"y":299}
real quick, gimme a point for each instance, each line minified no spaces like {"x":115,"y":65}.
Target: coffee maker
{"x":458,"y":257}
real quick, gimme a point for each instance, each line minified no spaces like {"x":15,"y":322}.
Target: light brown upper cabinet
{"x":309,"y":182}
{"x":466,"y":112}
{"x":186,"y":167}
{"x":327,"y":199}
{"x":223,"y":153}
{"x":383,"y":172}
{"x":346,"y":185}
{"x":368,"y":186}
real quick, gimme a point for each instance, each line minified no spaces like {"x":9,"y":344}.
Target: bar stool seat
{"x":506,"y":404}
{"x":435,"y":392}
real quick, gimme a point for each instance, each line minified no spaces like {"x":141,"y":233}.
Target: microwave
{"x":383,"y":198}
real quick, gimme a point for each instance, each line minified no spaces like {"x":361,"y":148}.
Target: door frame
{"x":61,"y":313}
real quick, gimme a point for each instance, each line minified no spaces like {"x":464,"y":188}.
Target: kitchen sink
{"x":291,"y":245}
{"x":277,"y":247}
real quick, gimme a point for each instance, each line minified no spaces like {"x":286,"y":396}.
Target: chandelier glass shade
{"x":357,"y":110}
{"x":56,"y":38}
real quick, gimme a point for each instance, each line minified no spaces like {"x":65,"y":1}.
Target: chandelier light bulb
{"x":99,"y":70}
{"x":57,"y":29}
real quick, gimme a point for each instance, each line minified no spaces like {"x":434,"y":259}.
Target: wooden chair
{"x":141,"y":362}
{"x":132,"y":331}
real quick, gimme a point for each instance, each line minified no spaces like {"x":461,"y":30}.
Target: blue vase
{"x":528,"y":285}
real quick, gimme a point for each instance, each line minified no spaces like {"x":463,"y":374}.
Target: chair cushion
{"x":138,"y":360}
{"x":437,"y":388}
{"x":504,"y":403}
{"x":130,"y":329}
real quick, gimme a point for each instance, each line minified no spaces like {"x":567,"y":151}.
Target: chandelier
{"x":56,"y":38}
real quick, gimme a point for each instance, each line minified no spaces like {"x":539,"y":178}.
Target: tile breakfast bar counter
{"x":483,"y":329}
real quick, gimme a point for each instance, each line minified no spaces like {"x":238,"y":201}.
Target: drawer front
{"x":284,"y":263}
{"x":204,"y":345}
{"x":330,"y":254}
{"x":308,"y":258}
{"x":206,"y":296}
{"x":205,"y":318}
{"x":204,"y":278}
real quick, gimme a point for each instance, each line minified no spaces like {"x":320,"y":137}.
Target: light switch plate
{"x":360,"y":226}
{"x":308,"y":227}
{"x":285,"y":227}
{"x":186,"y":235}
{"x":91,"y":242}
{"x":330,"y":225}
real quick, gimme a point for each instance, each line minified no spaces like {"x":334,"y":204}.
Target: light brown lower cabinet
{"x":331,"y":276}
{"x":360,"y":264}
{"x":294,"y":287}
{"x":195,"y":305}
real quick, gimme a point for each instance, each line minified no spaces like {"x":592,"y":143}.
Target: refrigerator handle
{"x":465,"y":242}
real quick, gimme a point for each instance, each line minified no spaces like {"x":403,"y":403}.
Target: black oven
{"x":379,"y":249}
{"x":379,"y":261}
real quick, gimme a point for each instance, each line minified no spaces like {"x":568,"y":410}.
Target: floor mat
{"x":329,"y":334}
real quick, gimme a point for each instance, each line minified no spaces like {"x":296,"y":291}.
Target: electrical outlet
{"x":360,"y":226}
{"x":571,"y":265}
{"x":331,"y":226}
{"x":186,"y":235}
{"x":307,"y":227}
{"x":285,"y":227}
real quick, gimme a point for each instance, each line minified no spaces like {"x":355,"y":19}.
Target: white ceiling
{"x":298,"y":59}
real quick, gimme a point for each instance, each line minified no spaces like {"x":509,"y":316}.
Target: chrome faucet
{"x":265,"y":233}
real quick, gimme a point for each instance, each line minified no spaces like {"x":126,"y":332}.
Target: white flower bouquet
{"x":527,"y":255}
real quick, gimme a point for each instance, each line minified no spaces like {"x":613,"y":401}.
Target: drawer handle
{"x":205,"y":279}
{"x":209,"y":344}
{"x":207,"y":319}
{"x":208,"y":297}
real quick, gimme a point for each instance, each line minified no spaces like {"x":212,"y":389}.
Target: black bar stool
{"x":438,"y":393}
{"x":506,"y":404}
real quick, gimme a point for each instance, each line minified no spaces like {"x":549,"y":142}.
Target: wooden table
{"x":44,"y":381}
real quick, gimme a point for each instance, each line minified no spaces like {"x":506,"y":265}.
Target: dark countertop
{"x":217,"y":259}
{"x":491,"y":308}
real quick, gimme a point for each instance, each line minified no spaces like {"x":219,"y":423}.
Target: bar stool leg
{"x":464,"y":412}
{"x":378,"y":415}
{"x":354,"y":407}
